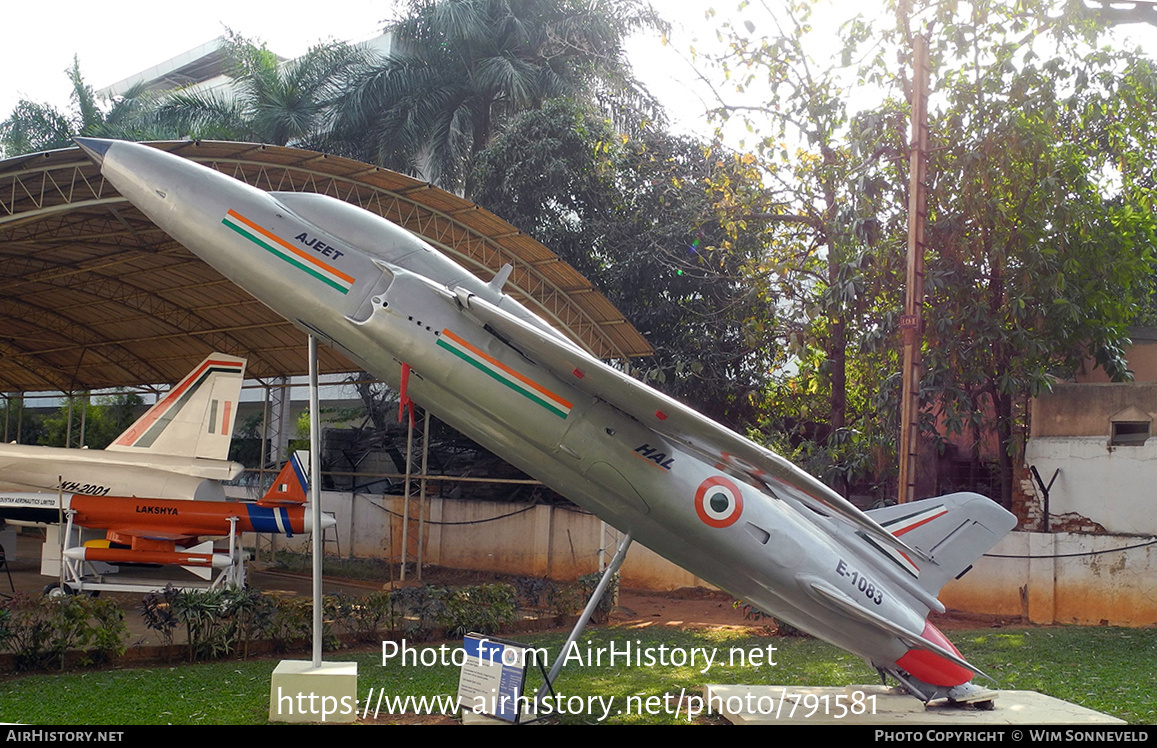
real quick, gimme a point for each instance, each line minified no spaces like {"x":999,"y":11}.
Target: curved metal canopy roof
{"x":93,"y":294}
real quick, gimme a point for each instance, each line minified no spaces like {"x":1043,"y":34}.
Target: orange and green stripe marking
{"x":500,"y":372}
{"x":286,"y":252}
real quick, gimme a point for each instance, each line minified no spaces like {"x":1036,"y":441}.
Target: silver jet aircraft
{"x":704,"y":497}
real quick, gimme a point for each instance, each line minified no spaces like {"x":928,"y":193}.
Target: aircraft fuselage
{"x":25,"y":469}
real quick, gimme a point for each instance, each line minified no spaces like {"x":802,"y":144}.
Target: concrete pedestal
{"x":878,"y":705}
{"x":298,"y":692}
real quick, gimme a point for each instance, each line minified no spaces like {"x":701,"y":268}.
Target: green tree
{"x":17,"y":417}
{"x":634,"y":216}
{"x":459,"y":69}
{"x":270,"y":101}
{"x":33,"y":127}
{"x":1040,"y":213}
{"x":1040,"y":227}
{"x":825,"y":193}
{"x":104,"y":420}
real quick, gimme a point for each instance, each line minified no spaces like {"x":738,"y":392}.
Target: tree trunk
{"x":1003,"y":405}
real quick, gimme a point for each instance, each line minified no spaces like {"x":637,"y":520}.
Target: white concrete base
{"x":300,"y":693}
{"x":878,"y":705}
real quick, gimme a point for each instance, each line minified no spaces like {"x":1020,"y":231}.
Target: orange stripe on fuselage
{"x":528,"y":382}
{"x":295,"y":250}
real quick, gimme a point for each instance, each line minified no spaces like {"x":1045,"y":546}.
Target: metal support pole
{"x":235,"y":579}
{"x":315,"y":494}
{"x":281,"y":395}
{"x":67,"y":527}
{"x":588,"y":611}
{"x":406,"y":495}
{"x":264,"y":439}
{"x":83,"y":416}
{"x":263,"y":462}
{"x":422,"y":492}
{"x":68,"y":423}
{"x":603,"y":526}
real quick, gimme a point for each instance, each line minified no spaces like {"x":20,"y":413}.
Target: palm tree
{"x":270,"y":101}
{"x":36,"y":126}
{"x":458,"y":69}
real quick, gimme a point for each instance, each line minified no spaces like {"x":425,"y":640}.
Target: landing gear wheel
{"x":54,"y":590}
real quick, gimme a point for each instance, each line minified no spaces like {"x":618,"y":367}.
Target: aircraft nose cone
{"x":327,"y":521}
{"x":94,"y":148}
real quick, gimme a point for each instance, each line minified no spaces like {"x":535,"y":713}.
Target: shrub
{"x":484,"y":609}
{"x":536,"y":594}
{"x":207,"y":627}
{"x":362,"y":617}
{"x":588,"y":583}
{"x":41,"y":631}
{"x":416,"y":611}
{"x":782,"y":628}
{"x":157,"y":610}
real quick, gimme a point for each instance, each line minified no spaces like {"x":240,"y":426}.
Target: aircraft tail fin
{"x":196,"y":417}
{"x":291,"y":487}
{"x":953,"y":530}
{"x":204,"y":572}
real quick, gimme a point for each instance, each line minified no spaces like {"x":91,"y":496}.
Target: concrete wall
{"x":1055,"y":578}
{"x":1113,"y":487}
{"x":1112,"y":586}
{"x":1101,"y":487}
{"x":543,"y":541}
{"x":1089,"y":409}
{"x":1142,"y":356}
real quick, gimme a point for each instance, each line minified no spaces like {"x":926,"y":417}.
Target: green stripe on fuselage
{"x":280,"y":255}
{"x":486,"y":369}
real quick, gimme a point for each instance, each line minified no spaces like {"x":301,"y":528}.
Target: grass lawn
{"x":1107,"y":669}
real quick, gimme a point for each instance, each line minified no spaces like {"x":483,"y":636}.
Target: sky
{"x":112,"y":45}
{"x":40,"y":40}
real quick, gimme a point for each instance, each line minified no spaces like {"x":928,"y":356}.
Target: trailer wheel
{"x":55,"y":590}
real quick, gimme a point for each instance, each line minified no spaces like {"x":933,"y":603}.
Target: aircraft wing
{"x":672,"y":419}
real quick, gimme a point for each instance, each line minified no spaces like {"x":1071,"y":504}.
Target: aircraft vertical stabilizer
{"x":291,"y":486}
{"x":195,"y":418}
{"x":953,"y":530}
